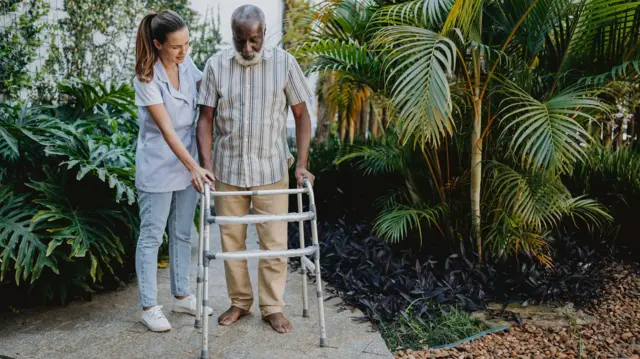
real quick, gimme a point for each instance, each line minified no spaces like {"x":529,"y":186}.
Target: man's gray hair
{"x":248,"y":13}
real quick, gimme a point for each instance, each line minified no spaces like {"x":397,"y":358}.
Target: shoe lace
{"x":156,"y":312}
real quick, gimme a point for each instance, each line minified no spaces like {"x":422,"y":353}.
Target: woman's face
{"x":176,"y":47}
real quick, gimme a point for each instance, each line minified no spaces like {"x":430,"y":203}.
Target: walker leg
{"x":305,"y":300}
{"x":204,"y":354}
{"x":198,"y":322}
{"x":314,"y":237}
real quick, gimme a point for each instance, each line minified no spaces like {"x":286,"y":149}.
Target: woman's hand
{"x":200,"y":176}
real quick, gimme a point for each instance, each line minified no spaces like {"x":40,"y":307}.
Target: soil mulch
{"x":615,"y":332}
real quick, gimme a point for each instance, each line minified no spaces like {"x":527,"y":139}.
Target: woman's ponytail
{"x":153,"y":27}
{"x":146,"y":52}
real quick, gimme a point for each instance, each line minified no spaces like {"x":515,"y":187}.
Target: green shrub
{"x":69,"y":214}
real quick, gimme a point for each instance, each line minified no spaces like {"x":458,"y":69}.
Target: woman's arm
{"x":199,"y":175}
{"x":161,"y":117}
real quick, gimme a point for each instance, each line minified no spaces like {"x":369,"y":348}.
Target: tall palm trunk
{"x":364,"y":120}
{"x":375,"y":126}
{"x":354,"y":121}
{"x":352,"y":130}
{"x":285,"y":23}
{"x":343,"y":126}
{"x":325,"y":114}
{"x":476,"y":155}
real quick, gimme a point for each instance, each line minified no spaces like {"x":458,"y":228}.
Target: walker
{"x":205,"y":256}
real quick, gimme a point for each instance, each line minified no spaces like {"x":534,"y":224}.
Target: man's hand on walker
{"x":200,"y":176}
{"x":301,"y":174}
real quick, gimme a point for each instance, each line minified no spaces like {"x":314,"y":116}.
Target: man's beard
{"x":257,"y":57}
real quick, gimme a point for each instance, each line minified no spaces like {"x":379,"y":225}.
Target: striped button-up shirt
{"x":252,"y":103}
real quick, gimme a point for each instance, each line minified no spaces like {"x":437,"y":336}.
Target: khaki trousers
{"x":272,"y":273}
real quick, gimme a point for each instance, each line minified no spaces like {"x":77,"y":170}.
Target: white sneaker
{"x":187,"y":305}
{"x":155,"y":320}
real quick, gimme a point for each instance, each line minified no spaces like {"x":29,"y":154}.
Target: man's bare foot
{"x":279,"y":323}
{"x":232,"y":315}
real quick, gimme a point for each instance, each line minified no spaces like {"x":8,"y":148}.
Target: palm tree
{"x":338,"y":50}
{"x":512,"y":76}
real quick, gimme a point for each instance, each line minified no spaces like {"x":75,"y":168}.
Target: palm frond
{"x":395,"y":223}
{"x":343,"y":20}
{"x":591,"y":212}
{"x":627,"y":71}
{"x":464,"y":15}
{"x":538,"y":199}
{"x":376,"y":159}
{"x":534,"y":31}
{"x":418,"y":64}
{"x":509,"y":237}
{"x":619,"y":168}
{"x":392,"y":198}
{"x":421,"y":13}
{"x":607,"y":34}
{"x":549,"y":134}
{"x":349,"y":56}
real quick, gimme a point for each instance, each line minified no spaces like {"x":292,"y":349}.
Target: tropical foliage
{"x":68,"y":202}
{"x":498,"y":99}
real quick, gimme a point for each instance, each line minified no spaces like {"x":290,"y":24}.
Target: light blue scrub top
{"x":158,"y":169}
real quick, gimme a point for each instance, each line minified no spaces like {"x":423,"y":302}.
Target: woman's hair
{"x":153,"y":27}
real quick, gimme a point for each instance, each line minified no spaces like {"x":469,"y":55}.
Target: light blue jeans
{"x":158,"y":211}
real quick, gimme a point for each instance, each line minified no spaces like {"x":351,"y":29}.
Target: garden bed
{"x":615,"y":332}
{"x":404,"y":292}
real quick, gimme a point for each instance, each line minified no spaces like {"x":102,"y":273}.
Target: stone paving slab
{"x":109,"y":327}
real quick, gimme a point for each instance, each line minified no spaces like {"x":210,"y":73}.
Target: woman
{"x":167,"y":169}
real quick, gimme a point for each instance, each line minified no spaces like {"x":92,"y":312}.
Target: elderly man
{"x":252,"y":88}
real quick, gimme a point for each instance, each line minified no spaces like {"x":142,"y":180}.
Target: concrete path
{"x":108,"y":326}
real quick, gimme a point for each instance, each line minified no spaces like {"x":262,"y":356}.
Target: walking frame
{"x":205,"y":255}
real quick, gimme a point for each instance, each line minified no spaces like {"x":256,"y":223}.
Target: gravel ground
{"x":615,"y":334}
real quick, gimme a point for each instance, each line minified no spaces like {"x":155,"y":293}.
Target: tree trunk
{"x":364,"y":118}
{"x":353,"y":123}
{"x":325,"y":115}
{"x":476,"y":157}
{"x":285,"y":27}
{"x":375,"y":126}
{"x":343,"y":126}
{"x":385,"y":120}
